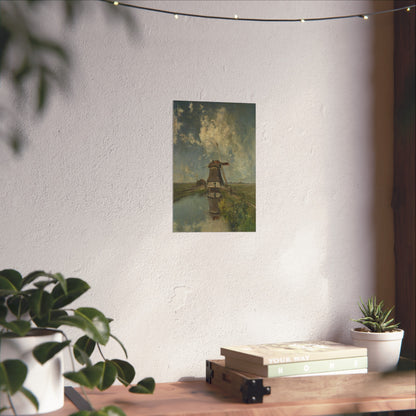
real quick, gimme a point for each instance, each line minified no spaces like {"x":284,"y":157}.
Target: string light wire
{"x":364,"y":16}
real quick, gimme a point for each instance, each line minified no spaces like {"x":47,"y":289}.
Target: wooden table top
{"x":198,"y":398}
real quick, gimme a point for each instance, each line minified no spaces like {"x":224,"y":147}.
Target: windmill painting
{"x":214,"y":167}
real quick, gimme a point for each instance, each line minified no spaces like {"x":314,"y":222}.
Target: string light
{"x":249,"y":19}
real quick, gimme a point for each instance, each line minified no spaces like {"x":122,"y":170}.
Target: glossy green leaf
{"x":82,"y":357}
{"x":74,"y":321}
{"x":145,"y":386}
{"x":12,"y":375}
{"x":110,"y":411}
{"x":83,"y":413}
{"x":98,"y":328}
{"x":43,"y":284}
{"x":3,"y":312}
{"x":75,"y":288}
{"x":45,"y":351}
{"x":54,"y":316}
{"x":61,"y":280}
{"x":108,"y":374}
{"x":88,"y":376}
{"x":18,"y":327}
{"x":6,"y":287}
{"x":40,"y":304}
{"x":83,"y":349}
{"x":53,"y":278}
{"x":125,"y":371}
{"x":18,"y":305}
{"x":31,"y":277}
{"x":89,"y":320}
{"x":13,"y":276}
{"x":29,"y":395}
{"x":105,"y":411}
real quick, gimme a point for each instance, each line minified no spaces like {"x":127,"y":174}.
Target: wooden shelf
{"x":296,"y":396}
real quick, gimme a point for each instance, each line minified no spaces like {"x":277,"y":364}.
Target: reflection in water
{"x":214,"y":209}
{"x":198,"y":213}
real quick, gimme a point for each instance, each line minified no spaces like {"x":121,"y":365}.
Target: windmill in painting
{"x":215,"y":179}
{"x":213,"y":167}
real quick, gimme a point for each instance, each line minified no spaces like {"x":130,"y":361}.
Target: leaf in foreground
{"x":12,"y":375}
{"x":125,"y":371}
{"x":83,"y":349}
{"x":108,"y":373}
{"x":105,"y":411}
{"x":44,"y":352}
{"x":145,"y":386}
{"x":88,"y":377}
{"x":30,"y":396}
{"x":19,"y":327}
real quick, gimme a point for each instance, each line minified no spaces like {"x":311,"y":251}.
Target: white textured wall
{"x":92,"y":194}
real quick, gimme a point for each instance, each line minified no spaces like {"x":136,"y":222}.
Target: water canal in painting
{"x":192,"y":213}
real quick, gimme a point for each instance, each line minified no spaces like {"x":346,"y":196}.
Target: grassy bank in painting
{"x":237,"y":205}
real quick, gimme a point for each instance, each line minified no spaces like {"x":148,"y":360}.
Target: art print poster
{"x":214,"y":167}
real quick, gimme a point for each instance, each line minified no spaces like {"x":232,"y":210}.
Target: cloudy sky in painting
{"x":205,"y":131}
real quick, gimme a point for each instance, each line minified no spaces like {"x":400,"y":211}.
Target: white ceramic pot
{"x":44,"y":381}
{"x":383,"y":348}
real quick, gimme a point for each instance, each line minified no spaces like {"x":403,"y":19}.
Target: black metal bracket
{"x":77,"y":399}
{"x":209,"y":372}
{"x":253,"y":391}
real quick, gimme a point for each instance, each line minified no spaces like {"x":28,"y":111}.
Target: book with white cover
{"x":292,"y":352}
{"x":299,"y":368}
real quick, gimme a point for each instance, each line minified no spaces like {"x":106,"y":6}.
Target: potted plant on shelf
{"x":34,"y":310}
{"x":380,"y":335}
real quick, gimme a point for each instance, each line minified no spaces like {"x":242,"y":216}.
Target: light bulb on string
{"x":249,"y":19}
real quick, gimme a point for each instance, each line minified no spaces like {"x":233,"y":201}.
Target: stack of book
{"x":296,"y":359}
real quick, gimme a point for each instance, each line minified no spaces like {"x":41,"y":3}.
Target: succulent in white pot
{"x":380,"y":334}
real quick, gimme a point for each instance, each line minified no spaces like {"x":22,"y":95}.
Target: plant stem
{"x":19,"y":310}
{"x":101,"y":353}
{"x":73,"y":369}
{"x":11,"y":404}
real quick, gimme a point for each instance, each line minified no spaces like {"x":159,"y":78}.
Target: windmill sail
{"x":226,"y":163}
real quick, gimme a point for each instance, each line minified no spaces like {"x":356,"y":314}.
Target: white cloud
{"x":220,"y":140}
{"x":188,"y":139}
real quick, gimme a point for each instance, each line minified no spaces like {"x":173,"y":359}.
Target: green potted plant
{"x":380,"y":335}
{"x":34,"y":311}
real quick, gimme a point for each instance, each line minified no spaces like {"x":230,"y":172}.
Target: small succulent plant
{"x":375,"y":318}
